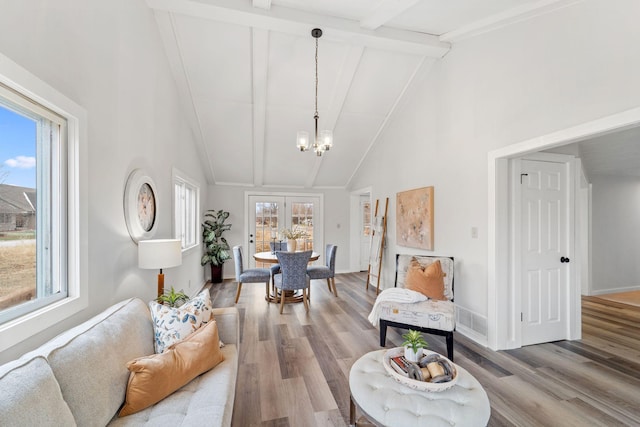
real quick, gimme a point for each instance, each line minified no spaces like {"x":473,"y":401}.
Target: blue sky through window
{"x":17,"y":149}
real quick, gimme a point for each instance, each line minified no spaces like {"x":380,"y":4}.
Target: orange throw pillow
{"x":426,"y":280}
{"x":155,"y":377}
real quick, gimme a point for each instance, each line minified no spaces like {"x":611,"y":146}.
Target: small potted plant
{"x":292,"y":235}
{"x":216,"y":248}
{"x":414,"y":345}
{"x":173,"y":298}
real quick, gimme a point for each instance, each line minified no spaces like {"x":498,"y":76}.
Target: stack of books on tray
{"x":400,"y":365}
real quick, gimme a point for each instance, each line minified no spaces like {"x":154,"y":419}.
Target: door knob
{"x":564,"y":259}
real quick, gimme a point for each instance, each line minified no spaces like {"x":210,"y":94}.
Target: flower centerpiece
{"x":292,"y":235}
{"x":414,"y":345}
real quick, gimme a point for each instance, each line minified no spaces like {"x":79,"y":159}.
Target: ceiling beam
{"x":260,"y":66}
{"x":171,"y":43}
{"x":507,"y":17}
{"x":385,"y":12}
{"x":297,"y":22}
{"x":343,"y":84}
{"x":262,"y":4}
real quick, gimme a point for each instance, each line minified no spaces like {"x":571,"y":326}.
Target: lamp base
{"x":160,"y":284}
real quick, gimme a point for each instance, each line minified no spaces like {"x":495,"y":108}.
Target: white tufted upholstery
{"x":389,"y":403}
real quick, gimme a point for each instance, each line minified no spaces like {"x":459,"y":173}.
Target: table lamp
{"x":159,"y":253}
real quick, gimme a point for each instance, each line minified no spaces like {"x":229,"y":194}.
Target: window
{"x":33,"y":266}
{"x":43,"y":173}
{"x":186,"y":197}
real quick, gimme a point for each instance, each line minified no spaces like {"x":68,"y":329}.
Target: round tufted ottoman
{"x":386,"y":402}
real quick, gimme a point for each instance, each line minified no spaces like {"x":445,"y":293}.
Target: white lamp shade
{"x":159,"y":253}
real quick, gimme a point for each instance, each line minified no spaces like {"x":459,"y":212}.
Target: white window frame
{"x":73,"y":164}
{"x":186,"y":213}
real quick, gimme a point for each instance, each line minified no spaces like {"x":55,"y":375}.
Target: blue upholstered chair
{"x":275,"y":268}
{"x":293,"y":275}
{"x":326,"y":271}
{"x":251,"y":275}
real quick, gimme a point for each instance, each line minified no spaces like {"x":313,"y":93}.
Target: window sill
{"x":24,"y":327}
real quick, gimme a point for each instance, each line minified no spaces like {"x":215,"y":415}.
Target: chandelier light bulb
{"x":302,"y":140}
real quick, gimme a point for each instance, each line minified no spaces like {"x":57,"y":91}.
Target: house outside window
{"x":41,"y":165}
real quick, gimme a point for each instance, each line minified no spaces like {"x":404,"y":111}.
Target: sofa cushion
{"x":90,"y":360}
{"x":173,"y":324}
{"x":206,"y":400}
{"x":426,"y":280}
{"x":25,"y":382}
{"x":156,"y":376}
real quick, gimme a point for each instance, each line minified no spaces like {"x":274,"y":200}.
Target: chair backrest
{"x":294,"y":269}
{"x":402,"y":266}
{"x":330,"y":257}
{"x":278,"y":246}
{"x":237,"y":259}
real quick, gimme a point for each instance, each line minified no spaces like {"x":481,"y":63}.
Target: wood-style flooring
{"x":294,"y":368}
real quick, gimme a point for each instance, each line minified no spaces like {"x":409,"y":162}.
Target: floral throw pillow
{"x":173,"y":324}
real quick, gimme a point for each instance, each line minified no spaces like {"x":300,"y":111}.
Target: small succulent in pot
{"x":413,"y":345}
{"x":173,"y":298}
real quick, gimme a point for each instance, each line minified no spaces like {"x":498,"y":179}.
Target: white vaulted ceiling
{"x":245,"y":72}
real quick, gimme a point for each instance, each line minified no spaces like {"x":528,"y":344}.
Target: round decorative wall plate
{"x":140,"y":206}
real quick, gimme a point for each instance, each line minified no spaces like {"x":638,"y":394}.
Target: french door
{"x":268,"y":214}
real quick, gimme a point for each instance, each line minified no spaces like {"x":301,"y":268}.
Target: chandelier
{"x":324,"y":140}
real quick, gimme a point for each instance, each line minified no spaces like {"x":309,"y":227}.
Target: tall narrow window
{"x":186,"y":210}
{"x":33,"y":201}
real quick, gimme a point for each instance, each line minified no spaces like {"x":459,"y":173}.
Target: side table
{"x":385,"y":402}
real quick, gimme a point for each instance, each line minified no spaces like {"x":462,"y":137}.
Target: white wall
{"x":336,"y":218}
{"x":616,"y":234}
{"x":548,"y":73}
{"x":108,"y":58}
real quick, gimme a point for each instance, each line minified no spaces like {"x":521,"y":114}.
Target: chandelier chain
{"x":316,"y":77}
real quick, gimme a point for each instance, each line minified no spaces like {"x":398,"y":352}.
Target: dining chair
{"x":293,"y":276}
{"x":327,"y":271}
{"x":275,"y":268}
{"x":250,"y":275}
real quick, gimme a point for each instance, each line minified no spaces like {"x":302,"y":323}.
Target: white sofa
{"x":80,"y":377}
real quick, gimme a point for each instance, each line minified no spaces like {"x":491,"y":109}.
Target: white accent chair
{"x":431,"y":317}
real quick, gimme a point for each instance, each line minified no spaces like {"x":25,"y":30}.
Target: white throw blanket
{"x":400,"y":295}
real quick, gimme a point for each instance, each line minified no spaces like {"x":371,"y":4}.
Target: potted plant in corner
{"x":414,"y":345}
{"x":216,"y":248}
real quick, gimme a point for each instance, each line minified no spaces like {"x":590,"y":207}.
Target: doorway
{"x":504,"y":316}
{"x":268,"y":213}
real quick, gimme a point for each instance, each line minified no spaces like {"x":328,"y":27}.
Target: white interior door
{"x":365,"y":231}
{"x":545,"y":251}
{"x":268,"y":214}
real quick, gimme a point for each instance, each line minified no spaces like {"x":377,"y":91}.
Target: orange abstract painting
{"x":414,"y":218}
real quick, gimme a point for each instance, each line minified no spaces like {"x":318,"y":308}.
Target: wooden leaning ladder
{"x":378,"y":233}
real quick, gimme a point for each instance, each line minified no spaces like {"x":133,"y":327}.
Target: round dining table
{"x":269,"y":257}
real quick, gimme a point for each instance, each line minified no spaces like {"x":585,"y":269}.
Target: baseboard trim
{"x":614,"y":290}
{"x":472,"y":335}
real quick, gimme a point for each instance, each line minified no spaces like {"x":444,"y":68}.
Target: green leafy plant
{"x":173,"y":298}
{"x":216,"y":248}
{"x":293,"y":233}
{"x":414,"y":340}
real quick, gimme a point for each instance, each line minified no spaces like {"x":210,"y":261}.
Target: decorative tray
{"x":416,"y":384}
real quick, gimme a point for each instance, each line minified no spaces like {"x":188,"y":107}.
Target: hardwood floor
{"x":294,"y":368}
